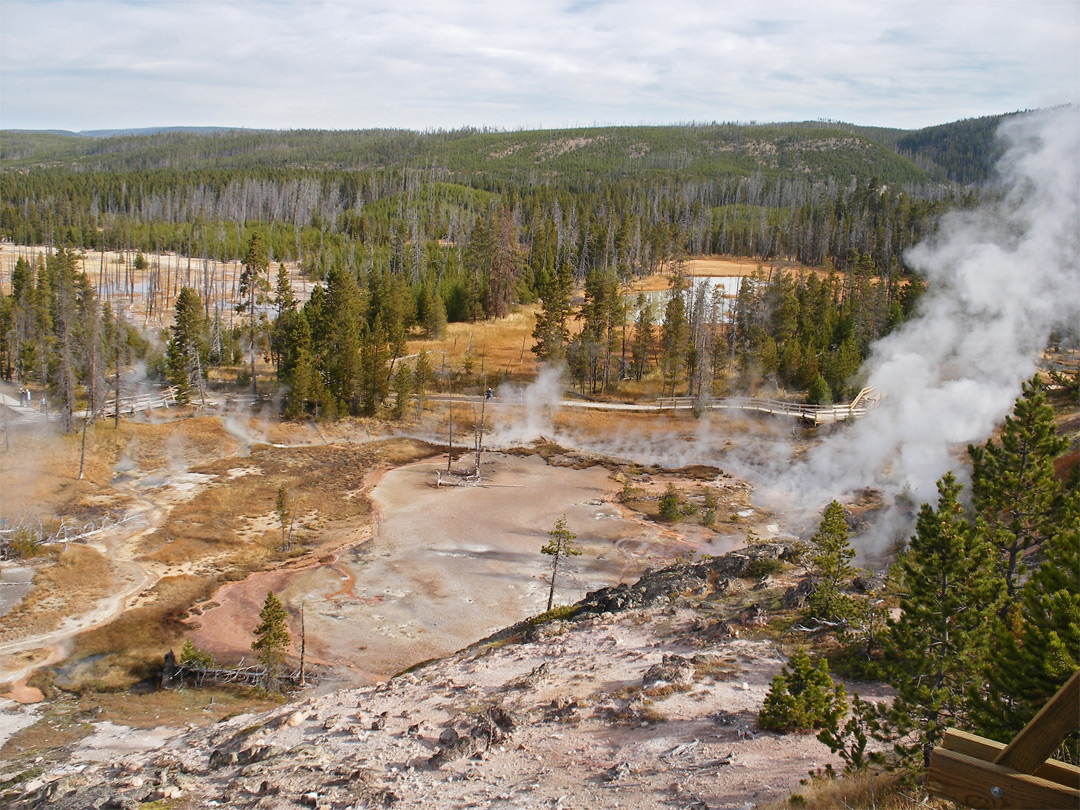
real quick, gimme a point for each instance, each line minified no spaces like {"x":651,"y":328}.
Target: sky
{"x":444,"y":64}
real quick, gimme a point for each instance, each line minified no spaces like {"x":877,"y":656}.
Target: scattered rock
{"x":492,"y":727}
{"x":617,"y":772}
{"x":674,"y":670}
{"x":258,"y":753}
{"x":796,"y":596}
{"x":222,"y":759}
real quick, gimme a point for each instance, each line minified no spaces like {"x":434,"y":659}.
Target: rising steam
{"x":1000,"y":280}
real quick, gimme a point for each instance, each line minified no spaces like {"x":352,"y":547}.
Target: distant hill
{"x":112,"y":133}
{"x":962,"y":152}
{"x":814,"y":151}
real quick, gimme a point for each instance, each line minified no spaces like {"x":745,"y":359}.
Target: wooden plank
{"x":1041,"y":737}
{"x":989,"y":750}
{"x":976,"y":783}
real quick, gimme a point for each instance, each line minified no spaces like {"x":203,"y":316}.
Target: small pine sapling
{"x":803,"y":697}
{"x":560,"y":545}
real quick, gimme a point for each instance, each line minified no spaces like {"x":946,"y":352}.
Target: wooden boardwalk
{"x":814,"y":414}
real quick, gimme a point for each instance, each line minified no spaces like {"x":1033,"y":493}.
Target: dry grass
{"x":78,"y":576}
{"x":865,"y":791}
{"x":498,"y":347}
{"x":325,"y":482}
{"x":132,"y":646}
{"x":226,"y":531}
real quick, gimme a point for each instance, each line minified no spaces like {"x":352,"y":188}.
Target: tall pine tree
{"x":1013,"y":484}
{"x":950,"y":591}
{"x":182,"y":355}
{"x":831,"y":558}
{"x":1038,"y":641}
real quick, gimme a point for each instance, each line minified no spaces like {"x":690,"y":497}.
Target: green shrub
{"x":191,"y":656}
{"x":669,"y":504}
{"x":804,"y":697}
{"x":24,"y":545}
{"x":762,"y":567}
{"x":819,"y":393}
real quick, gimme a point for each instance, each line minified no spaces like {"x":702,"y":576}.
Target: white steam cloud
{"x":1000,"y":279}
{"x":532,"y":420}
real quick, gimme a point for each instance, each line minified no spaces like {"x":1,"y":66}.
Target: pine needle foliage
{"x":272,"y":634}
{"x":831,"y":556}
{"x":1013,"y":484}
{"x":950,"y":592}
{"x":1038,"y":642}
{"x":192,"y":656}
{"x":803,"y":697}
{"x":669,"y":504}
{"x":559,"y":546}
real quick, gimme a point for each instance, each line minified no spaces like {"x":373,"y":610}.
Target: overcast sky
{"x":421,"y":64}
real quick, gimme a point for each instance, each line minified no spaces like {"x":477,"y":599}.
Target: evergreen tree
{"x":375,"y":379}
{"x":422,"y":378}
{"x":339,"y":351}
{"x":559,"y":546}
{"x":1038,"y":641}
{"x":403,"y":389}
{"x":252,"y":292}
{"x":431,"y":312}
{"x":191,"y":656}
{"x":669,"y":504}
{"x":644,"y":336}
{"x":504,"y":268}
{"x":297,"y":368}
{"x":272,"y":635}
{"x":831,"y":556}
{"x":551,"y":332}
{"x":479,"y":255}
{"x":182,"y":361}
{"x":602,"y":312}
{"x":803,"y":697}
{"x":285,"y":305}
{"x":939,"y":645}
{"x":676,"y":335}
{"x":284,"y":299}
{"x":61,"y":267}
{"x":1013,"y":484}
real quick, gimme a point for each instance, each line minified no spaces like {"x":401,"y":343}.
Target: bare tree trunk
{"x":116,"y":377}
{"x":82,"y":451}
{"x":554,"y":571}
{"x":303,"y":644}
{"x":450,"y":427}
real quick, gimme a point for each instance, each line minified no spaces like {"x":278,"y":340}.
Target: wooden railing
{"x":141,"y":402}
{"x":815,"y":414}
{"x":977,"y":772}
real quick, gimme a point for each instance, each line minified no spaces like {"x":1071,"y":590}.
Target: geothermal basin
{"x":445,"y":566}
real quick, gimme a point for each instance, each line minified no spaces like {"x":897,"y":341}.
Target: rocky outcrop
{"x":711,"y":577}
{"x":607,"y":706}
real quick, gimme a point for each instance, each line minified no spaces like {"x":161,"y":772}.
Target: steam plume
{"x":1000,"y":279}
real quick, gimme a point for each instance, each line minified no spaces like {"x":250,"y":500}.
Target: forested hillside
{"x":415,"y":229}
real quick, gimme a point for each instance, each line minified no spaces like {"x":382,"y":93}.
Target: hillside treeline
{"x":465,"y":225}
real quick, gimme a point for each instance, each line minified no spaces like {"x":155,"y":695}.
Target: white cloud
{"x":103,"y":63}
